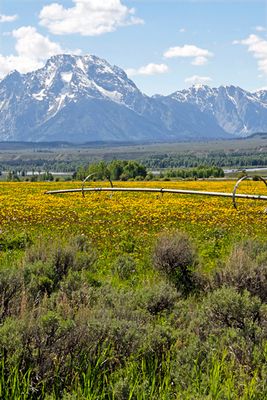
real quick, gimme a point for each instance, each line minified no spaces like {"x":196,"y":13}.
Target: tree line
{"x":199,"y":172}
{"x":114,"y":170}
{"x":128,"y":170}
{"x":237,"y":160}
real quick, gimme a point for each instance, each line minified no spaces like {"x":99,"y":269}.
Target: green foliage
{"x":226,"y":308}
{"x":47,"y":176}
{"x":14,"y":242}
{"x":11,"y":283}
{"x":77,"y":326}
{"x":246,"y":269}
{"x":12,"y":176}
{"x":199,"y":172}
{"x":124,"y":267}
{"x":115,"y":170}
{"x":207,"y":158}
{"x":160,"y":298}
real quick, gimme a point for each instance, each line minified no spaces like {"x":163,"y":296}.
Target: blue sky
{"x":163,"y":45}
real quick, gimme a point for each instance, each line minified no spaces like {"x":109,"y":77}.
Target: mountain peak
{"x":200,"y":86}
{"x":236,"y":110}
{"x":83,"y":98}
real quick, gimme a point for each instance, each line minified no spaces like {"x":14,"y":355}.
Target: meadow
{"x":109,"y":219}
{"x":87,"y":313}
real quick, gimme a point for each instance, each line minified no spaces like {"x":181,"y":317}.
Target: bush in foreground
{"x":175,"y":256}
{"x":246,"y":269}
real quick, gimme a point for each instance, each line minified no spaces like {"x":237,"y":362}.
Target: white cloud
{"x":32,"y":44}
{"x":200,"y":56}
{"x":149,"y":69}
{"x":32,"y":50}
{"x":182,"y":30}
{"x":258,"y":47}
{"x":8,"y":18}
{"x":200,"y":61}
{"x":21,"y":64}
{"x":87,"y":17}
{"x":198,"y":80}
{"x":260,"y":28}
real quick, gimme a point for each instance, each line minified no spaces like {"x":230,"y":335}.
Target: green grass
{"x":69,"y":330}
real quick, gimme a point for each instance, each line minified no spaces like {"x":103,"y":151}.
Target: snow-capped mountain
{"x":71,"y":98}
{"x":84,"y":98}
{"x":236,"y":111}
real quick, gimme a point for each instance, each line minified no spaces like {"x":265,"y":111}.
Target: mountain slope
{"x":84,"y":98}
{"x":235,"y":110}
{"x":50,"y":101}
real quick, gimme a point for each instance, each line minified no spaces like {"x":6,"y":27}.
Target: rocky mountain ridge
{"x":85,"y":99}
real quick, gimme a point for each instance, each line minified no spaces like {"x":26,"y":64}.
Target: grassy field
{"x":91,"y":309}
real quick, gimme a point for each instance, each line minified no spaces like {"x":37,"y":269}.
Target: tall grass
{"x":152,"y":379}
{"x":15,"y":384}
{"x":66,"y":335}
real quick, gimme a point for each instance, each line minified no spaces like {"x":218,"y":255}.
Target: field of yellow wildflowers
{"x":111,"y":220}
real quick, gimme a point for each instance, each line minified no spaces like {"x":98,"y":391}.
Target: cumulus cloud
{"x":258,"y":47}
{"x":87,"y":17}
{"x":21,"y":64}
{"x":32,"y":50}
{"x":200,"y":61}
{"x":260,"y":28}
{"x":8,"y":18}
{"x":198,"y":80}
{"x":32,"y":44}
{"x":200,"y":56}
{"x":149,"y":69}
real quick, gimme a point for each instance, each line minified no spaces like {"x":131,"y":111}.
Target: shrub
{"x":174,"y":256}
{"x":234,"y":321}
{"x":14,"y":242}
{"x":81,"y":242}
{"x":127,"y":244}
{"x":124,"y":266}
{"x":246,"y":268}
{"x":63,"y":260}
{"x":47,"y":249}
{"x":72,"y":283}
{"x":226,"y":308}
{"x":49,"y":265}
{"x":139,"y":178}
{"x":161,"y":297}
{"x":11,"y":286}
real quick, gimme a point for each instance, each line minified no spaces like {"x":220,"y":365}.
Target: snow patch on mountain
{"x":236,"y":110}
{"x":66,"y":76}
{"x":39,"y":96}
{"x":83,"y":98}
